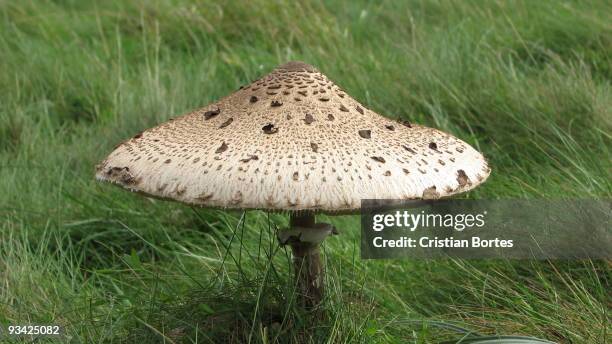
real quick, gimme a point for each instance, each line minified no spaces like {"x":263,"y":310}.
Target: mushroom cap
{"x":292,"y":140}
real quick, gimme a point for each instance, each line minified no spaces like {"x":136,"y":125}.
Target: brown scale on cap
{"x":290,"y":150}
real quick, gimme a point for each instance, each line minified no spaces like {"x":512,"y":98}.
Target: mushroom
{"x":293,"y":141}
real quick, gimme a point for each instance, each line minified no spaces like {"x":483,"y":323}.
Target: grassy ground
{"x":526,"y":82}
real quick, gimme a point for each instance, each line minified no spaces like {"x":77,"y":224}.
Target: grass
{"x":526,"y":82}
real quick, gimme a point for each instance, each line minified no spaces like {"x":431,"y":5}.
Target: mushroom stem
{"x":305,"y":236}
{"x":305,"y":220}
